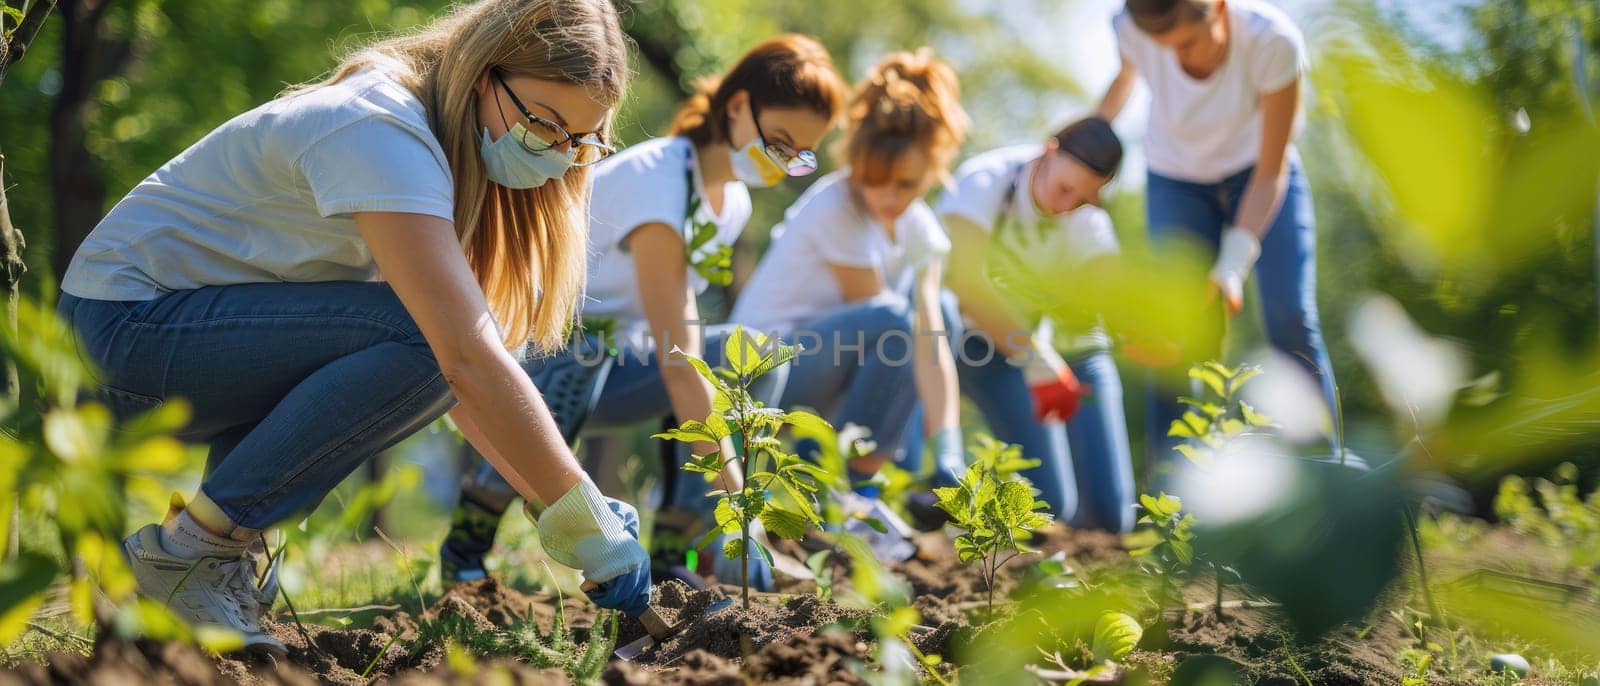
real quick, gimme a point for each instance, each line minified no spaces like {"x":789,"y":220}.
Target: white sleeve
{"x":976,"y":194}
{"x":376,"y":164}
{"x":1090,"y":234}
{"x":637,"y":193}
{"x":1279,"y":58}
{"x":927,"y":243}
{"x":1127,"y":35}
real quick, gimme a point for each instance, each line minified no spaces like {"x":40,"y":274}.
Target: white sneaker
{"x":265,"y":582}
{"x":217,"y":591}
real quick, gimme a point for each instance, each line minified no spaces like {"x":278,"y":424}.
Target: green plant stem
{"x":365,"y":673}
{"x":744,"y":519}
{"x":1220,"y":616}
{"x":1422,"y":565}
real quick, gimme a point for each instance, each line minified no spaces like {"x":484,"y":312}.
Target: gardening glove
{"x":598,"y":536}
{"x":1057,"y":393}
{"x":1235,"y":257}
{"x":949,"y":456}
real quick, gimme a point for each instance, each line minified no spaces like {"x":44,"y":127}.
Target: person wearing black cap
{"x":1042,"y":200}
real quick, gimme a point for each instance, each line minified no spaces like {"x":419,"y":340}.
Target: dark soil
{"x":787,"y":638}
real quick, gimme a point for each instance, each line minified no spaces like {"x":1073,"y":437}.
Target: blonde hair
{"x":909,"y":101}
{"x":527,"y":248}
{"x":790,"y":70}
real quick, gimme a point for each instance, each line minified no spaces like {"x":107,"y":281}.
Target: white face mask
{"x":514,"y":166}
{"x":753,"y":166}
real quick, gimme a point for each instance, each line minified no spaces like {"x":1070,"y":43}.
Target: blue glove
{"x":599,"y":536}
{"x":629,"y":592}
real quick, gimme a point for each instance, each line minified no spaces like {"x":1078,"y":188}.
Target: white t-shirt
{"x":1207,"y":130}
{"x":794,"y":284}
{"x":645,"y":184}
{"x":1046,"y":244}
{"x":269,"y":196}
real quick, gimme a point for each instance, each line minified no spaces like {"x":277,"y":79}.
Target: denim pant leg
{"x":1101,"y":462}
{"x":1176,"y":212}
{"x":634,"y":394}
{"x":1286,"y":279}
{"x":857,"y":369}
{"x":328,"y":374}
{"x":1001,"y":393}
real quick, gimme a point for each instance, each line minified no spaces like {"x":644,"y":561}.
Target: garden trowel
{"x":656,"y":628}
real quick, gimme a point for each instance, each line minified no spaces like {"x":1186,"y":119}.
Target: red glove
{"x":1057,"y":393}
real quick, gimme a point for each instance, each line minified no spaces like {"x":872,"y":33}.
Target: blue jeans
{"x":1086,"y":469}
{"x":1286,"y":280}
{"x":856,"y":368}
{"x":293,"y":385}
{"x":635,"y":393}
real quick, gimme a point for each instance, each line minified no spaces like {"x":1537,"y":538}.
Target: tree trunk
{"x":11,"y":269}
{"x":87,"y":58}
{"x":13,"y":48}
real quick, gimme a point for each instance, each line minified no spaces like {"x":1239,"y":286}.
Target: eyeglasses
{"x":584,"y":149}
{"x":794,"y":162}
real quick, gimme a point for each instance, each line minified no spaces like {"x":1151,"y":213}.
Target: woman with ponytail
{"x":324,"y":275}
{"x":851,"y":250}
{"x":1042,"y":200}
{"x":665,"y":217}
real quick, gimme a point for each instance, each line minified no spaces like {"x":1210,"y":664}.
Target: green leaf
{"x":1252,"y":417}
{"x":1243,"y":375}
{"x":784,"y":523}
{"x":690,"y":432}
{"x":1212,"y":377}
{"x":741,"y":352}
{"x":1180,"y":429}
{"x":1115,"y":635}
{"x":781,"y":355}
{"x":807,"y":422}
{"x":1211,"y":410}
{"x":726,"y":517}
{"x":733,"y":549}
{"x":709,"y":538}
{"x":23,"y":582}
{"x":1183,"y":551}
{"x":1199,"y":456}
{"x":875,"y":523}
{"x":701,"y":367}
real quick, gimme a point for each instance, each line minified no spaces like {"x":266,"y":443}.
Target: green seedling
{"x":996,"y":509}
{"x":1219,"y":416}
{"x":1163,"y":544}
{"x":780,"y":490}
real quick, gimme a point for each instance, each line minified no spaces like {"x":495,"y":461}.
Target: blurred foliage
{"x":68,"y":463}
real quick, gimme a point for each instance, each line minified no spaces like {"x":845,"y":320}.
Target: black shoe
{"x":472,"y":529}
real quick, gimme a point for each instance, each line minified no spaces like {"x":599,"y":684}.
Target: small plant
{"x":779,"y":489}
{"x":995,"y":508}
{"x":1163,"y":542}
{"x":1554,"y":512}
{"x":873,"y":587}
{"x":1219,"y":416}
{"x":1208,"y":428}
{"x":464,"y":642}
